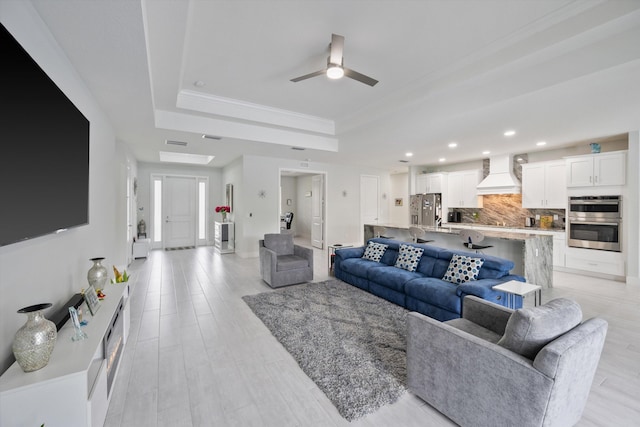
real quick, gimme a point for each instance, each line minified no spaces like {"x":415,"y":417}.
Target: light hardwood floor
{"x":197,"y":356}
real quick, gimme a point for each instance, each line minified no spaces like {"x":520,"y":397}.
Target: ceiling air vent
{"x":171,"y":142}
{"x":403,"y":161}
{"x":298,"y":148}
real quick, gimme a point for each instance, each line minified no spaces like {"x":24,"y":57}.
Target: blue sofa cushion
{"x":359,"y":266}
{"x":409,"y":257}
{"x":374,"y":251}
{"x":462,"y":269}
{"x":435,"y":292}
{"x":391,"y":277}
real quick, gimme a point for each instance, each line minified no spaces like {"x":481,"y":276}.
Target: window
{"x":157,"y":210}
{"x":202,"y":210}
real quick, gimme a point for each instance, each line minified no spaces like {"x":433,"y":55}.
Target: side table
{"x":513,"y":288}
{"x":331,"y":249}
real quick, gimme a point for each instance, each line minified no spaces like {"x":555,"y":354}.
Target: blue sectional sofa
{"x":424,"y":290}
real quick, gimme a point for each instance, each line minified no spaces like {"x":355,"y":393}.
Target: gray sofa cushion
{"x":281,"y":244}
{"x":530,"y":329}
{"x":291,"y":262}
{"x":474,"y":329}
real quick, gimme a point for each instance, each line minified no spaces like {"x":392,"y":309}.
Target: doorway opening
{"x":303,"y":206}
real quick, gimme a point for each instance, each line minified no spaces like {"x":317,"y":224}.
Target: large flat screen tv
{"x":44,"y":151}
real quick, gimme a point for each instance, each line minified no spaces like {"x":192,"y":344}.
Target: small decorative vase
{"x":224,"y":216}
{"x":97,"y":274}
{"x":35,"y":340}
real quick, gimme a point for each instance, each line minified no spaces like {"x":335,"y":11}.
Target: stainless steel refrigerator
{"x":426,"y":209}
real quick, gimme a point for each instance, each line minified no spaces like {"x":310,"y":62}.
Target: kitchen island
{"x":531,"y":250}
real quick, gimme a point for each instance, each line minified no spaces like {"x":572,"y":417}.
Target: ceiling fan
{"x":335,"y":68}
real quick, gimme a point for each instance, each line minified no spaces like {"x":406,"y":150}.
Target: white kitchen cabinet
{"x":595,"y":261}
{"x":559,"y":249}
{"x":597,"y":169}
{"x":544,"y":185}
{"x":431,"y":183}
{"x":462,"y":189}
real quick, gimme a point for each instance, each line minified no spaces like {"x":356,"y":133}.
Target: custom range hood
{"x":501,"y":179}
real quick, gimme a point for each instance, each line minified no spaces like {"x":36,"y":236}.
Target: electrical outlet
{"x":555,"y":217}
{"x":538,"y":216}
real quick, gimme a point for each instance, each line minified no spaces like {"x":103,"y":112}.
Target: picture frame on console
{"x":92,"y":300}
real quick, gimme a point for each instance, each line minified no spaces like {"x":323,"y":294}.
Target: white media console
{"x":74,"y":388}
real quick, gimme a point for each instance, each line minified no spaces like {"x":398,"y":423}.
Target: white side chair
{"x":471,"y":239}
{"x":416,"y":234}
{"x":380,"y":231}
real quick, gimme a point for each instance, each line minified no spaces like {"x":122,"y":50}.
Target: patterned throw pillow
{"x":409,"y":257}
{"x":374,"y":251}
{"x":463,"y":269}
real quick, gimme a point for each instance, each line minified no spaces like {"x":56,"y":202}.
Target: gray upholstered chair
{"x":497,"y":367}
{"x":282,"y":262}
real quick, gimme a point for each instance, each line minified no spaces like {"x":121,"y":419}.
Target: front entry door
{"x":180,"y":211}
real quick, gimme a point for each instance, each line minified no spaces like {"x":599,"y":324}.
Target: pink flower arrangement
{"x":223,"y":209}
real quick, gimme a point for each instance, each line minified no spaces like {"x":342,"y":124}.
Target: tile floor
{"x":197,"y":356}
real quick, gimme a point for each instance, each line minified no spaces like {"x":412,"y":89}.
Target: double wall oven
{"x":595,"y":222}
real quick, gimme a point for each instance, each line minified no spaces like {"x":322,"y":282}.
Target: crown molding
{"x":237,"y":109}
{"x":231,"y":129}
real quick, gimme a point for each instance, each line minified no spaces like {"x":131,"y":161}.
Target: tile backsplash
{"x":507,"y":209}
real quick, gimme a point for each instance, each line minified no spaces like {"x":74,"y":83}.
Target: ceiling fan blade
{"x":337,"y":47}
{"x":359,"y":77}
{"x":308,"y":76}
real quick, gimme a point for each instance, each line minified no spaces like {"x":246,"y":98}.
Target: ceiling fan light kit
{"x":335,"y":69}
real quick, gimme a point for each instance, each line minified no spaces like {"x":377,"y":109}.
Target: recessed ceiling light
{"x":199,"y":83}
{"x":193,"y":159}
{"x":217,"y":138}
{"x":408,"y":154}
{"x":453,"y":144}
{"x":519,"y":160}
{"x":510,"y":133}
{"x":541,"y":143}
{"x":486,"y":152}
{"x":441,"y":159}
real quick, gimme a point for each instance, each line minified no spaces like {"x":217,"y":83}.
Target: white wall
{"x":303,"y":221}
{"x":257,"y":215}
{"x":54,"y":267}
{"x":288,"y":191}
{"x":399,"y":190}
{"x":217,"y":195}
{"x":633,"y":207}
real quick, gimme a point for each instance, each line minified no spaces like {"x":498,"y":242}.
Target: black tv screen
{"x":44,"y":151}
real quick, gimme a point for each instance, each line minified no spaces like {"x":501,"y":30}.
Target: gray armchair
{"x":282,"y":262}
{"x":496,"y":367}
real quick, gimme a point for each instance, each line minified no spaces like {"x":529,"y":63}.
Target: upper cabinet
{"x":597,"y":169}
{"x":544,"y":185}
{"x":431,"y":183}
{"x":462,"y":191}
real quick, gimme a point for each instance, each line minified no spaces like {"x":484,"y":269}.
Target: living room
{"x":54,"y":267}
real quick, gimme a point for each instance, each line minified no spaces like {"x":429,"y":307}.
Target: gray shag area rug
{"x":352,"y":344}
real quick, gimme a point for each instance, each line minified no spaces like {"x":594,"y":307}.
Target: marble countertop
{"x":488,"y":231}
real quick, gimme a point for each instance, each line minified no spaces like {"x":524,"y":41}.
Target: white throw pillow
{"x":374,"y":251}
{"x":463,"y":269}
{"x":409,"y":257}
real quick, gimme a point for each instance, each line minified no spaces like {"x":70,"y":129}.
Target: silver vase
{"x":34,"y":341}
{"x":97,"y":274}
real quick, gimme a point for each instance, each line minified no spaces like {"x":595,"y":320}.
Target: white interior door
{"x":317,"y":211}
{"x":179,"y":211}
{"x":369,"y":200}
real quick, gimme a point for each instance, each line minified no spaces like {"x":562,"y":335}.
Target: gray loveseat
{"x":423,"y":290}
{"x":497,"y":367}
